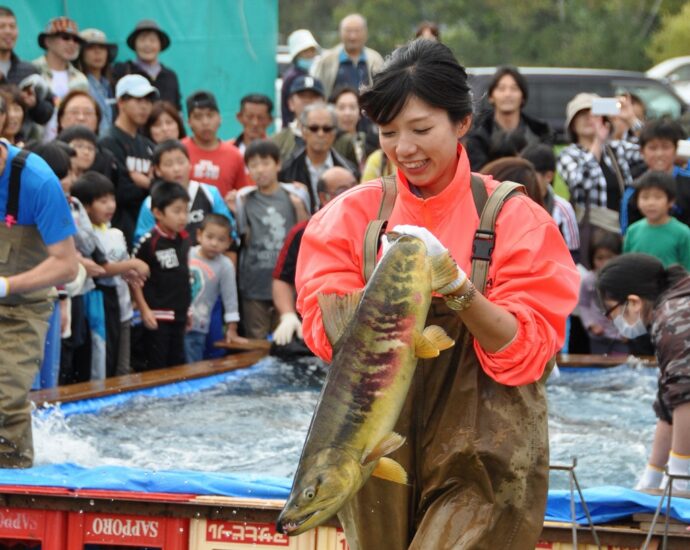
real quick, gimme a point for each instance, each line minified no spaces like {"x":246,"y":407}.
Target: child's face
{"x":654,"y":204}
{"x":101,"y":210}
{"x":213,"y":239}
{"x":204,"y":123}
{"x":263,"y":170}
{"x":659,"y":154}
{"x":174,"y":166}
{"x":173,"y":218}
{"x":601,"y":257}
{"x":86,"y":155}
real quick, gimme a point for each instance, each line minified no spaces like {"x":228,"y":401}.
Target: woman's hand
{"x":434,"y":247}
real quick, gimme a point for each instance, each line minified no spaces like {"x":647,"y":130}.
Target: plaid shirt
{"x":580,"y":169}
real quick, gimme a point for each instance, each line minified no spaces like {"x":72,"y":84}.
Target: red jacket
{"x":532,"y":274}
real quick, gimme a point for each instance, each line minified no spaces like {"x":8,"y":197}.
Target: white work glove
{"x":434,"y":248}
{"x":288,"y":326}
{"x":4,"y":287}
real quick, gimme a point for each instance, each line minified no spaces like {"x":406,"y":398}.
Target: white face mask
{"x":626,"y":329}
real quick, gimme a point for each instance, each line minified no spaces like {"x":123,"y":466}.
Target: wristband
{"x":4,"y":287}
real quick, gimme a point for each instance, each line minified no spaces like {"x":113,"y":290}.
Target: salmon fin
{"x":424,"y":348}
{"x":444,"y":270}
{"x":389,"y":469}
{"x":337,"y":312}
{"x":386,"y":446}
{"x":437,"y":336}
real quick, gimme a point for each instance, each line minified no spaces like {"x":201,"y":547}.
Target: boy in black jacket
{"x":165,"y":299}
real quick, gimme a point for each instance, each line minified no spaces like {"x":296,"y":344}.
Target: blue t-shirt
{"x":41,"y":201}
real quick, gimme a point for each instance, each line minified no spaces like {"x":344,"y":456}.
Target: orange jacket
{"x":531,"y":274}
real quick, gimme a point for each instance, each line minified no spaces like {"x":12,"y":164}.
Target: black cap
{"x":148,"y":25}
{"x":307,"y":84}
{"x":201,"y":100}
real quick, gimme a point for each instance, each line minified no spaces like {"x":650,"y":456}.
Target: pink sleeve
{"x":330,"y":258}
{"x":533,"y":276}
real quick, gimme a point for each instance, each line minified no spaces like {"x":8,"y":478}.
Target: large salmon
{"x":377,"y":335}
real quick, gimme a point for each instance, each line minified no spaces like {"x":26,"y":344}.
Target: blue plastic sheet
{"x":606,"y":504}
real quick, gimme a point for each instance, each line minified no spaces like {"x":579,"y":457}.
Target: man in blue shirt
{"x":350,"y":63}
{"x":36,"y":252}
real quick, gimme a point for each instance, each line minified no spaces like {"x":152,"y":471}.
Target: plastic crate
{"x":49,"y":527}
{"x":126,"y":530}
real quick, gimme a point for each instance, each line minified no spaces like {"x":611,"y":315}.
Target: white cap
{"x":299,"y":41}
{"x":134,"y":85}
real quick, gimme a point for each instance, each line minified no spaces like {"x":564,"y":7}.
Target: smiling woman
{"x":422,"y":104}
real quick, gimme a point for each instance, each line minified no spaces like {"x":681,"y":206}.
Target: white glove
{"x":433,"y":245}
{"x":434,"y":248}
{"x":4,"y":287}
{"x":288,"y":326}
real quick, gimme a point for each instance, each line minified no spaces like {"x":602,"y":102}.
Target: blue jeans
{"x":194,"y":344}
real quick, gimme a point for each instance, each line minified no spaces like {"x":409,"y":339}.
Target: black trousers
{"x":164,"y":347}
{"x":111,"y":307}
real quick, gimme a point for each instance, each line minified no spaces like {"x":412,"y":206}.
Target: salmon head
{"x":320,"y":489}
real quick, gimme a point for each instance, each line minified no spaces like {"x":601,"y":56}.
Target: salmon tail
{"x":438,"y":337}
{"x":389,"y":469}
{"x":444,"y":270}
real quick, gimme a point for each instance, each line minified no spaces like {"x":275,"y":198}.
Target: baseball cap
{"x":579,"y":103}
{"x":134,"y":85}
{"x":202,"y":100}
{"x":307,"y":83}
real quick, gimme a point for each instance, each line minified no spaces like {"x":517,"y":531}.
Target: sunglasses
{"x":67,"y":36}
{"x":314,"y":128}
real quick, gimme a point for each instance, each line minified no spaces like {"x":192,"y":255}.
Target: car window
{"x":681,"y":74}
{"x":548,"y":97}
{"x":657,"y":99}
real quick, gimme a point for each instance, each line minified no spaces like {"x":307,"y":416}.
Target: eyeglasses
{"x":610,"y":310}
{"x":314,"y":128}
{"x":67,"y":36}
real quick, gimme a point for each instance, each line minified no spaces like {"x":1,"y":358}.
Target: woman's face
{"x":506,"y":97}
{"x":15,"y":119}
{"x":422,"y":142}
{"x":164,"y":128}
{"x":95,"y":57}
{"x":584,"y":124}
{"x":80,"y":110}
{"x":601,"y":257}
{"x":347,"y":111}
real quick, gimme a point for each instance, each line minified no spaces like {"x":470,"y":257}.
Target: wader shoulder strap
{"x":485,"y":236}
{"x":12,"y":210}
{"x":375,"y":227}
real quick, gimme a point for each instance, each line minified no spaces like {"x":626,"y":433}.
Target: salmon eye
{"x":309,"y":493}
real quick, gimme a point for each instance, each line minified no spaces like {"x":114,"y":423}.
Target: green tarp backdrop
{"x":225,"y":46}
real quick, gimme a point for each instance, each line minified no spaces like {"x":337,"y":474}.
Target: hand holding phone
{"x":606,"y":106}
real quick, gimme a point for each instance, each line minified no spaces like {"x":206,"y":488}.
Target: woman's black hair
{"x":607,"y":240}
{"x":639,"y":274}
{"x":424,"y":69}
{"x":508,"y":70}
{"x":341,"y":90}
{"x":519,"y":170}
{"x":77,"y":132}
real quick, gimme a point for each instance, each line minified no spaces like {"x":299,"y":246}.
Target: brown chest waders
{"x":23,"y":327}
{"x":477,"y":451}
